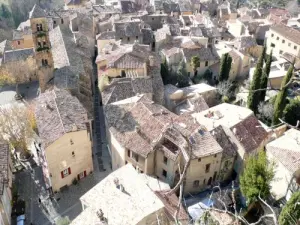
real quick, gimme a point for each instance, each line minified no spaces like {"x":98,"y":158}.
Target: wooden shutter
{"x":62,"y":174}
{"x":84,"y":173}
{"x":69,"y":170}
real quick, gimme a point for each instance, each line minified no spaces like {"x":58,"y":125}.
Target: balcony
{"x":44,"y":48}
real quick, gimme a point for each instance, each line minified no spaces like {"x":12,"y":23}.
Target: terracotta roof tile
{"x":288,"y":32}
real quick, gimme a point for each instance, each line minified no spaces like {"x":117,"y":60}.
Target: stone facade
{"x":43,"y":55}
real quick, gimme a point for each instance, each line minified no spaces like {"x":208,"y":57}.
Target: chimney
{"x":151,"y":60}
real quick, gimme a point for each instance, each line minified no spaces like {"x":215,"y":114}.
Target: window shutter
{"x":69,"y":170}
{"x":62,"y":174}
{"x":84,"y":173}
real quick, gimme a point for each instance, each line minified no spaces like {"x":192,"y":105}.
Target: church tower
{"x":43,"y":54}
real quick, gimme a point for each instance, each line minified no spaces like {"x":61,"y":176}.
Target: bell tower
{"x":43,"y":54}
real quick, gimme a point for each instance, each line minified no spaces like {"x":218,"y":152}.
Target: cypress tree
{"x":254,"y":96}
{"x":222,"y":72}
{"x":281,"y":96}
{"x":182,"y":76}
{"x":264,"y":78}
{"x":228,"y":67}
{"x":164,"y":71}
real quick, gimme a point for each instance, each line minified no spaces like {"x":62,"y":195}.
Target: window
{"x":215,"y":176}
{"x":19,"y":42}
{"x":272,"y":35}
{"x":45,"y":62}
{"x":135,"y":156}
{"x":277,"y":38}
{"x":126,"y":162}
{"x":39,"y":44}
{"x":204,"y":181}
{"x":209,"y":181}
{"x":165,"y":160}
{"x":136,"y":37}
{"x":196,"y":183}
{"x":290,"y":44}
{"x":295,"y":47}
{"x":207,"y":168}
{"x":123,"y":73}
{"x":164,"y":173}
{"x":215,"y":155}
{"x":272,"y":45}
{"x":65,"y":172}
{"x":280,"y":52}
{"x":54,"y":22}
{"x":206,"y":63}
{"x":199,"y":160}
{"x":81,"y":175}
{"x":44,"y":43}
{"x":128,"y":39}
{"x":128,"y":153}
{"x":152,"y":18}
{"x":62,"y":21}
{"x":73,"y":154}
{"x":283,"y":41}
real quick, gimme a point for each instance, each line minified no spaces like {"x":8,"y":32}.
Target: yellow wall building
{"x":66,"y":139}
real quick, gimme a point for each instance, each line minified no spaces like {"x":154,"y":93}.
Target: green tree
{"x":256,"y":177}
{"x":281,"y":96}
{"x":228,"y":66}
{"x":290,"y":213}
{"x":265,"y":77}
{"x":195,"y":62}
{"x":164,"y":71}
{"x":291,"y":113}
{"x":182,"y":76}
{"x":5,"y":13}
{"x":222,"y":72}
{"x":254,"y":95}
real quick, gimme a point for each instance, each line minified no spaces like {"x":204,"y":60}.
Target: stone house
{"x":247,"y":44}
{"x":66,"y":137}
{"x":72,"y":65}
{"x":240,"y":125}
{"x":282,"y":39}
{"x":123,"y":202}
{"x":285,"y":153}
{"x":22,"y":39}
{"x":5,"y":184}
{"x":156,"y":141}
{"x":60,"y":17}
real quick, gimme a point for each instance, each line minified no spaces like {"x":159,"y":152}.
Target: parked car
{"x":21,"y":219}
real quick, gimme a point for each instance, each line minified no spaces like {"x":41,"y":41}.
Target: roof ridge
{"x":58,"y":112}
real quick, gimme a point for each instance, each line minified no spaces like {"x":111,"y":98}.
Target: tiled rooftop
{"x":126,"y":207}
{"x":288,"y":32}
{"x":58,"y":112}
{"x":286,"y":150}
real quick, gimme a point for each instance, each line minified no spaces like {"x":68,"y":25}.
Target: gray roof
{"x":244,"y":42}
{"x":4,"y":159}
{"x":205,"y":54}
{"x":37,"y":12}
{"x":124,"y":88}
{"x":17,"y":35}
{"x":128,"y":7}
{"x":192,"y":105}
{"x":171,"y":7}
{"x":196,"y":32}
{"x":18,"y":54}
{"x":148,"y":36}
{"x":106,"y":35}
{"x":57,"y":113}
{"x":67,"y":61}
{"x":128,"y":29}
{"x":229,"y":148}
{"x":211,"y":32}
{"x":73,"y":2}
{"x":185,"y":6}
{"x":104,"y":9}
